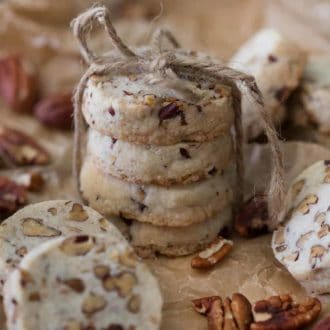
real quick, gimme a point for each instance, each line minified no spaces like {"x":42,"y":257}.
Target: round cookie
{"x":301,"y":244}
{"x":178,"y":205}
{"x":82,"y":282}
{"x":128,"y":106}
{"x":160,"y":165}
{"x":37,"y":223}
{"x":315,"y":91}
{"x":148,"y":239}
{"x":277,"y":65}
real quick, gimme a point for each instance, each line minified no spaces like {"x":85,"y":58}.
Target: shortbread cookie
{"x":148,"y":239}
{"x":178,"y":205}
{"x":314,"y":94}
{"x":160,"y":165}
{"x":82,"y":282}
{"x":128,"y":107}
{"x":302,"y":243}
{"x":37,"y":223}
{"x":277,"y":65}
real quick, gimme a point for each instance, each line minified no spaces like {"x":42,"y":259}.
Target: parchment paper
{"x":250,"y":268}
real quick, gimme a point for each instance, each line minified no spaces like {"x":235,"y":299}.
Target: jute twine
{"x":163,"y":65}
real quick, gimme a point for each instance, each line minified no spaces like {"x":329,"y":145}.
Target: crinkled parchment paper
{"x":250,"y":268}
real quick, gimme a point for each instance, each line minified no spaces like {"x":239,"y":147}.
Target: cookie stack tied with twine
{"x":160,"y":150}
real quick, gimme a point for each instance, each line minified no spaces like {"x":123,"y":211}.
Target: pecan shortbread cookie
{"x":162,"y":165}
{"x":277,"y":65}
{"x":313,"y":98}
{"x":178,"y":205}
{"x":302,"y":243}
{"x":128,"y":106}
{"x":148,"y":239}
{"x":82,"y":282}
{"x":37,"y":223}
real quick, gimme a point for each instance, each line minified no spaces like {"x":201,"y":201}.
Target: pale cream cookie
{"x":302,"y":243}
{"x":162,"y":165}
{"x":148,"y":239}
{"x":82,"y":282}
{"x":277,"y":66}
{"x":177,"y":205}
{"x":37,"y":223}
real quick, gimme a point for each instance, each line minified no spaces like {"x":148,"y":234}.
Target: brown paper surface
{"x":250,"y":268}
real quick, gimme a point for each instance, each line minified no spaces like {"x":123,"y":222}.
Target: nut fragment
{"x":304,"y":205}
{"x":55,"y":111}
{"x":252,"y":219}
{"x":77,"y":245}
{"x":297,"y":187}
{"x":12,"y":197}
{"x":19,"y":149}
{"x":284,"y":314}
{"x":93,"y":303}
{"x":213,"y":309}
{"x":76,"y":284}
{"x":213,"y":254}
{"x":35,"y":228}
{"x":122,"y":283}
{"x":134,"y":304}
{"x":317,"y":253}
{"x":78,"y":213}
{"x":32,"y":181}
{"x":18,"y":85}
{"x":229,"y":314}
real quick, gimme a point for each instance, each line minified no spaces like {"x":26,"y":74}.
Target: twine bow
{"x":163,"y":65}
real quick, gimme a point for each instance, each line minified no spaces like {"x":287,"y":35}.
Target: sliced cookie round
{"x":161,"y":165}
{"x":141,"y":108}
{"x":148,"y":239}
{"x":277,"y":65}
{"x":37,"y":223}
{"x":302,"y":243}
{"x":82,"y":282}
{"x":177,"y":205}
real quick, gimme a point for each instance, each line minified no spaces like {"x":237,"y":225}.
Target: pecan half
{"x":19,"y":149}
{"x":55,"y":111}
{"x":323,"y":325}
{"x":227,"y":314}
{"x":18,"y":83}
{"x":12,"y":197}
{"x":213,"y":254}
{"x":284,"y":314}
{"x":252,"y":219}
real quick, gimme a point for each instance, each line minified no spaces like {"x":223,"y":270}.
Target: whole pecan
{"x":225,"y":314}
{"x":285,"y":314}
{"x":19,"y":149}
{"x":252,"y":219}
{"x":18,"y":83}
{"x":12,"y":197}
{"x":55,"y":111}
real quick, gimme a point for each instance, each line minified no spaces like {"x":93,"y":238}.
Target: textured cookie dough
{"x":302,"y":243}
{"x":162,"y":165}
{"x":277,"y":65}
{"x":37,"y":223}
{"x":179,"y":205}
{"x":148,"y":239}
{"x":313,"y":97}
{"x":82,"y":282}
{"x":128,"y":107}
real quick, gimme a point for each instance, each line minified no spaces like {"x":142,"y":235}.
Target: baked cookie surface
{"x":178,"y":205}
{"x":40,"y":222}
{"x":82,"y":282}
{"x":162,"y":165}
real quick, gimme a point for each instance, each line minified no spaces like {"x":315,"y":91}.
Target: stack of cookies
{"x":159,"y":161}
